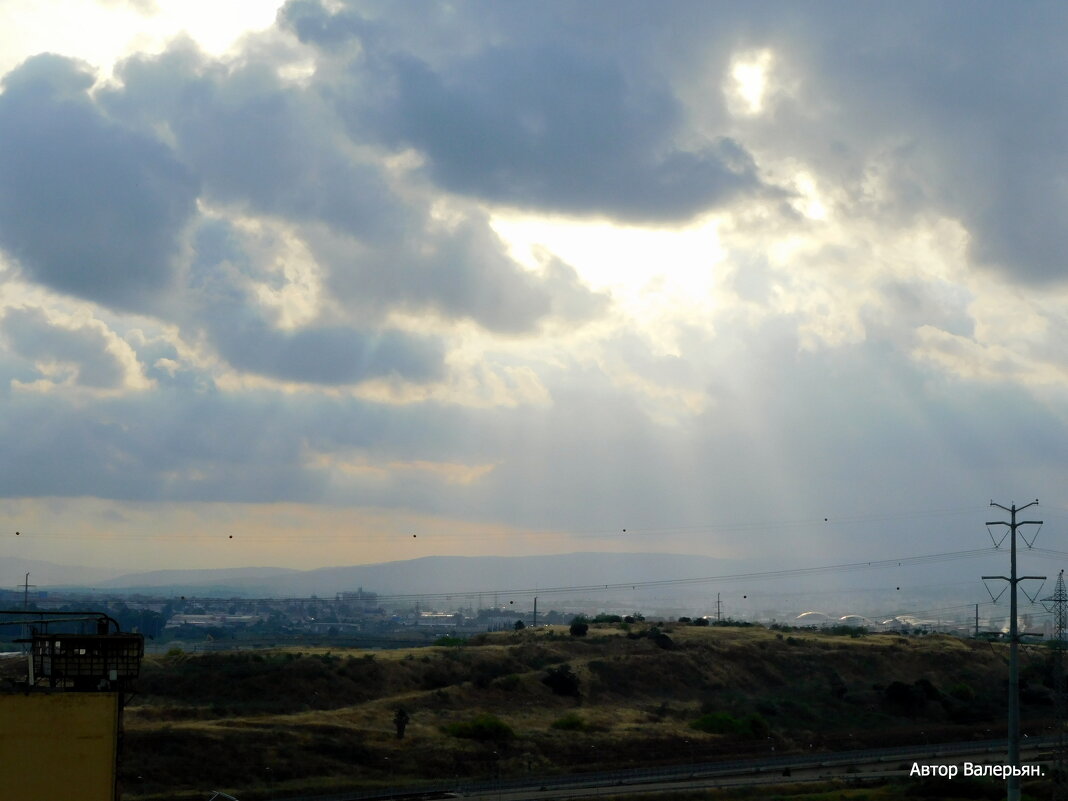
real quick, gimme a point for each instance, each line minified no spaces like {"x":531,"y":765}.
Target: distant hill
{"x":44,"y":575}
{"x":466,"y":575}
{"x":223,"y":576}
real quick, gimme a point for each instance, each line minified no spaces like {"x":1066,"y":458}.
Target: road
{"x":881,"y":763}
{"x":872,"y":764}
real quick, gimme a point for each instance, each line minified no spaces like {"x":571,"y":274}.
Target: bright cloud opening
{"x":652,"y":274}
{"x":748,"y":85}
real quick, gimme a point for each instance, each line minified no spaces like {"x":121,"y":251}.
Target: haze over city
{"x":311,"y":284}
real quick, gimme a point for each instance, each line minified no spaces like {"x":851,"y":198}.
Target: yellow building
{"x":58,"y":745}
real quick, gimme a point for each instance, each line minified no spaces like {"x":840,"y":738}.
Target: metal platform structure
{"x":106,"y":660}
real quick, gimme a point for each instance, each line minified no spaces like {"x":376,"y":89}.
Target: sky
{"x":322,"y":282}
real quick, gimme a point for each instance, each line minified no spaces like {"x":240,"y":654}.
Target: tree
{"x":400,"y":720}
{"x":579,"y":627}
{"x":562,"y":681}
{"x":519,"y":625}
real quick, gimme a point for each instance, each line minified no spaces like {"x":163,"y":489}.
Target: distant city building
{"x":360,"y":602}
{"x":212,"y":621}
{"x":439,"y":619}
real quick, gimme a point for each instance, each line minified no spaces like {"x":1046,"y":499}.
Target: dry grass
{"x":329,"y":719}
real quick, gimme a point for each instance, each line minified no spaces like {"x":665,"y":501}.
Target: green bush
{"x":509,"y":682}
{"x":579,"y":627}
{"x":606,"y":618}
{"x":450,"y":639}
{"x":724,"y":723}
{"x":486,"y":728}
{"x":962,"y":691}
{"x":717,"y":723}
{"x":562,"y":681}
{"x":570,"y":722}
{"x":842,"y":630}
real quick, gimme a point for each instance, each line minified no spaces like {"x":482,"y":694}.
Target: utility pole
{"x":977,"y":621}
{"x":25,"y":606}
{"x":718,"y":608}
{"x":535,"y":611}
{"x":1014,"y":639}
{"x":26,"y":592}
{"x":1057,"y":604}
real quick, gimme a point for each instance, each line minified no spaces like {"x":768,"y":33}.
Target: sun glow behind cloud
{"x":749,"y":80}
{"x":101,"y":33}
{"x":652,"y":274}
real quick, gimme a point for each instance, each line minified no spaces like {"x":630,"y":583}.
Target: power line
{"x":726,"y":578}
{"x":578,"y":533}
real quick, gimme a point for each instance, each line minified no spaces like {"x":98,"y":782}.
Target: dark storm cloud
{"x":87,"y":207}
{"x":545,"y":128}
{"x":959,"y":106}
{"x":575,"y":107}
{"x":255,"y":142}
{"x":278,"y":150}
{"x":538,"y":125}
{"x":29,"y":334}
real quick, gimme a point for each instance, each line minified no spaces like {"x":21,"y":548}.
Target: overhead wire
{"x":578,"y":533}
{"x":515,"y":593}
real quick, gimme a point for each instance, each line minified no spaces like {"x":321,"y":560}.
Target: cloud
{"x":275,"y":152}
{"x":85,"y":353}
{"x":320,"y":269}
{"x":223,"y":306}
{"x":87,"y":207}
{"x":328,"y":355}
{"x":927,"y":109}
{"x":538,"y":126}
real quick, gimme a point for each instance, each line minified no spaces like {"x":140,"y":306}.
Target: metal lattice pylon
{"x":1057,"y":605}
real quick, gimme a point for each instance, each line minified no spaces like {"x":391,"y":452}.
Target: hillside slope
{"x":261,"y":722}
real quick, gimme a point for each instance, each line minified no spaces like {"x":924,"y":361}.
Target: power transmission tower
{"x":1014,"y":637}
{"x":1057,"y":604}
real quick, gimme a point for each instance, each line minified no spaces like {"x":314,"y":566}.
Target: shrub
{"x":508,"y":683}
{"x":450,"y":639}
{"x":717,"y":723}
{"x":843,"y":630}
{"x":962,"y":691}
{"x":752,"y":725}
{"x":570,"y":722}
{"x":908,"y":699}
{"x":486,"y":728}
{"x":562,"y":681}
{"x":606,"y":618}
{"x":579,"y":627}
{"x":663,"y":641}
